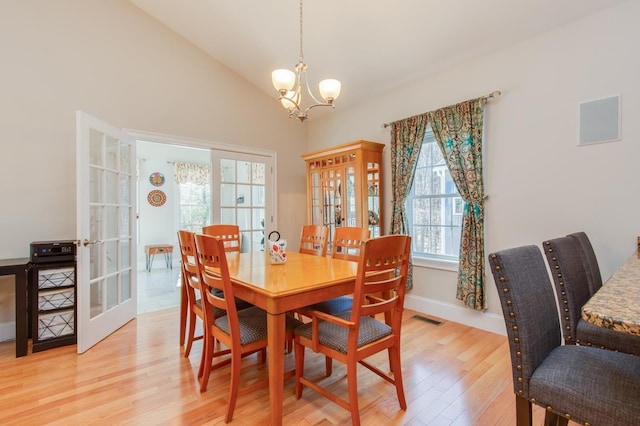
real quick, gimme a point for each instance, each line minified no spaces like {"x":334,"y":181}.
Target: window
{"x":434,"y":206}
{"x":194,"y":206}
{"x":194,"y":189}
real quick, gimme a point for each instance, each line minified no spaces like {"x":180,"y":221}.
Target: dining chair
{"x":314,"y":239}
{"x":347,"y":242}
{"x":242,"y":332}
{"x":230,"y":234}
{"x":570,"y":272}
{"x":352,"y":337}
{"x":579,"y":383}
{"x":189,"y":272}
{"x":591,"y":261}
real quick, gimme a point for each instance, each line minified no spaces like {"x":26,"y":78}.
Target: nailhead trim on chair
{"x":514,"y":327}
{"x":516,"y":340}
{"x":571,"y":339}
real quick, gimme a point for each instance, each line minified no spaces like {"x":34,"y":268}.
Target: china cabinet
{"x":344,"y":186}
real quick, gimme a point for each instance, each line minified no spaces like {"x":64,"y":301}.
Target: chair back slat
{"x":314,"y":239}
{"x":347,"y":241}
{"x":382,"y":276}
{"x":230,"y":234}
{"x":188,"y":262}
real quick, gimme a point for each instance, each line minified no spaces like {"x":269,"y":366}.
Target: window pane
{"x":194,"y":206}
{"x":434,"y":207}
{"x":244,"y":172}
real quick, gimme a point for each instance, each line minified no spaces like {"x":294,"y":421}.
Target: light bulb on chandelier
{"x":290,"y":85}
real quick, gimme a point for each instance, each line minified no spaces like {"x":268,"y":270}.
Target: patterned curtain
{"x":197,"y":174}
{"x":458,"y":130}
{"x":406,"y":141}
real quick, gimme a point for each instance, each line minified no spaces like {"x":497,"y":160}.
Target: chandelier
{"x":290,"y":86}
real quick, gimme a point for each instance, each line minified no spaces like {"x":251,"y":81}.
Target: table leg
{"x":21,"y":313}
{"x":275,"y":329}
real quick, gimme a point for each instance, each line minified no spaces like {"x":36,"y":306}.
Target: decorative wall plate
{"x":156,"y":198}
{"x":156,"y":179}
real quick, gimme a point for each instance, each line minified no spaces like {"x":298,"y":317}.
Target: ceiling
{"x":371,"y":46}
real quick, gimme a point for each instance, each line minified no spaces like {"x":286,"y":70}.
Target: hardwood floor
{"x":453,"y":375}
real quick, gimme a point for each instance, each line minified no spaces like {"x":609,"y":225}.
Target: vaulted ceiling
{"x":371,"y":46}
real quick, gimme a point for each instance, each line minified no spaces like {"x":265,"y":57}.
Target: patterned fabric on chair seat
{"x":335,"y":336}
{"x":253,"y":324}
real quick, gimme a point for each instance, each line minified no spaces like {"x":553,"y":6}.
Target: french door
{"x":242,"y":186}
{"x":106,"y":226}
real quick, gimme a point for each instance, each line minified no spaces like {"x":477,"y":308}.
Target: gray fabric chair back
{"x":529,"y":309}
{"x":566,"y":261}
{"x":591,"y":261}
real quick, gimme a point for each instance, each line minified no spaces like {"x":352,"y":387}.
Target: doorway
{"x":239,"y":189}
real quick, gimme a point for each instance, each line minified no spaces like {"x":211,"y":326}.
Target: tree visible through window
{"x":194,"y":206}
{"x":434,"y":206}
{"x":194,"y":190}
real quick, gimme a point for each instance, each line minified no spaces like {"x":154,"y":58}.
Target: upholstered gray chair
{"x":591,"y":261}
{"x":573,"y":279}
{"x":581,"y":383}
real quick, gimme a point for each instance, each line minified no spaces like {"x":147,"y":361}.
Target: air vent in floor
{"x":425,"y":319}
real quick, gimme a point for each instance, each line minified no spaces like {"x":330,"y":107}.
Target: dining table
{"x":616,"y":305}
{"x":281,"y":288}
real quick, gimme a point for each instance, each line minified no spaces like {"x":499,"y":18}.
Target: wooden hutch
{"x":344,"y":186}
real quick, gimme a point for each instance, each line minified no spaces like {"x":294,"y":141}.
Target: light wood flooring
{"x":454,"y":375}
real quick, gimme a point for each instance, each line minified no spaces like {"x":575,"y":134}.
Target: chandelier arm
{"x":317,"y":105}
{"x":297,"y":107}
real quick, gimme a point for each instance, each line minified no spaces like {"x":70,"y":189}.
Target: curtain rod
{"x":493,"y":95}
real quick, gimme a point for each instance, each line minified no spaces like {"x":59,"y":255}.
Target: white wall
{"x":540,"y":184}
{"x":111,"y":60}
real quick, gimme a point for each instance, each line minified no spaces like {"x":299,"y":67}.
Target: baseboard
{"x":7,"y":331}
{"x":482,"y":320}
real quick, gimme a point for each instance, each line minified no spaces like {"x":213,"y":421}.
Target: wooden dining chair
{"x":230,"y":234}
{"x":347,"y":242}
{"x":189,"y":272}
{"x":242,"y":332}
{"x":314,"y":239}
{"x":581,"y":383}
{"x":573,"y":279}
{"x":353,"y":336}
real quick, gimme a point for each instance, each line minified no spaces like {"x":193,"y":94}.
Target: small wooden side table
{"x":166,"y":249}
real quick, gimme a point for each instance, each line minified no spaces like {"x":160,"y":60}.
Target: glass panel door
{"x":246,"y":195}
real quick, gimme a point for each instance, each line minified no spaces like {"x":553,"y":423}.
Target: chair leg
{"x":352,"y":383}
{"x":553,"y":419}
{"x":191,"y":333}
{"x":299,"y":356}
{"x":328,"y":365}
{"x":523,"y":411}
{"x":236,"y":360}
{"x":396,"y":369}
{"x":203,"y":357}
{"x":183,"y":313}
{"x":207,"y":358}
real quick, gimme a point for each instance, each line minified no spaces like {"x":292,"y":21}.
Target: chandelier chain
{"x":301,"y":58}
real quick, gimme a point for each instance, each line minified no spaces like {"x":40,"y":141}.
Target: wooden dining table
{"x":279,"y":288}
{"x":616,"y":305}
